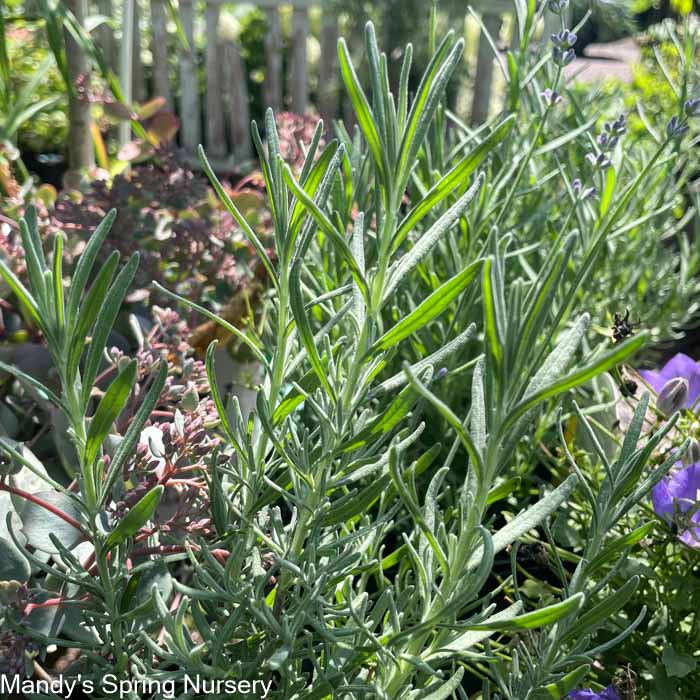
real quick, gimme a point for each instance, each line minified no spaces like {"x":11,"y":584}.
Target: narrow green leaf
{"x":603,"y":612}
{"x":560,"y":688}
{"x":536,"y":618}
{"x":238,"y":217}
{"x":363,"y":112}
{"x":85,"y":264}
{"x":608,"y":191}
{"x":243,"y":337}
{"x":108,"y":409}
{"x":619,"y":545}
{"x":87,"y":315}
{"x":428,"y":240}
{"x":135,"y":519}
{"x":451,"y":181}
{"x":304,"y":327}
{"x":431,"y":307}
{"x":105,"y":321}
{"x":617,"y":355}
{"x":127,"y":445}
{"x":491,"y":324}
{"x":529,"y":519}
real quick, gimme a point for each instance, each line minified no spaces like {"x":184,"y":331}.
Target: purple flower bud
{"x":564,"y":39}
{"x":692,"y":107}
{"x":557,"y":6}
{"x":675,"y":127}
{"x":673,"y":395}
{"x":551,"y":97}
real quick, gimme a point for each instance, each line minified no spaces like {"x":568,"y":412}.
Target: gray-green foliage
{"x":350,"y":557}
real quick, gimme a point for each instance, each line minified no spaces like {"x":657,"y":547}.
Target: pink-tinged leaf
{"x":119,"y":111}
{"x":150,"y":108}
{"x":163,"y":127}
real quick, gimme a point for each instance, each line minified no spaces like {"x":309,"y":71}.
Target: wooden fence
{"x":217,"y":113}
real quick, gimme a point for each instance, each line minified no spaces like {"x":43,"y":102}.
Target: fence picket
{"x":483,"y":79}
{"x":189,"y":85}
{"x":159,"y":49}
{"x":236,"y":99}
{"x":298,"y":75}
{"x":328,"y":83}
{"x":216,"y":131}
{"x":273,"y":60}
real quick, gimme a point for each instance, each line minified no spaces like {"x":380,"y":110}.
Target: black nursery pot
{"x":48,"y":167}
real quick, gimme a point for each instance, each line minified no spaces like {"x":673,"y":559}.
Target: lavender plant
{"x":345,"y":555}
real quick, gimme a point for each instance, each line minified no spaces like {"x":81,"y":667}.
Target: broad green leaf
{"x":135,"y":519}
{"x":39,"y":522}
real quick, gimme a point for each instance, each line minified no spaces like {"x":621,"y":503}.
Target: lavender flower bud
{"x":557,"y":6}
{"x":564,"y":39}
{"x":551,"y":97}
{"x":692,"y":107}
{"x":675,"y":127}
{"x":672,"y":396}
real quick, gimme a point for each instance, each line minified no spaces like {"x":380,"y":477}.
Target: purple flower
{"x":679,"y":365}
{"x":675,"y":499}
{"x":608,"y":693}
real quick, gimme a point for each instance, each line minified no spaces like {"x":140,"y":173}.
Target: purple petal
{"x":608,"y":693}
{"x":653,"y":379}
{"x":662,"y":500}
{"x":683,"y":486}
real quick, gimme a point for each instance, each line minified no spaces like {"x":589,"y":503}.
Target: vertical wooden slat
{"x":159,"y":48}
{"x":80,"y":150}
{"x":126,"y":65}
{"x":273,"y":60}
{"x":105,"y":34}
{"x":189,"y":87}
{"x":236,"y":99}
{"x":139,"y":89}
{"x":299,"y":74}
{"x":328,"y":83}
{"x":484,"y":70}
{"x":215,"y":127}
